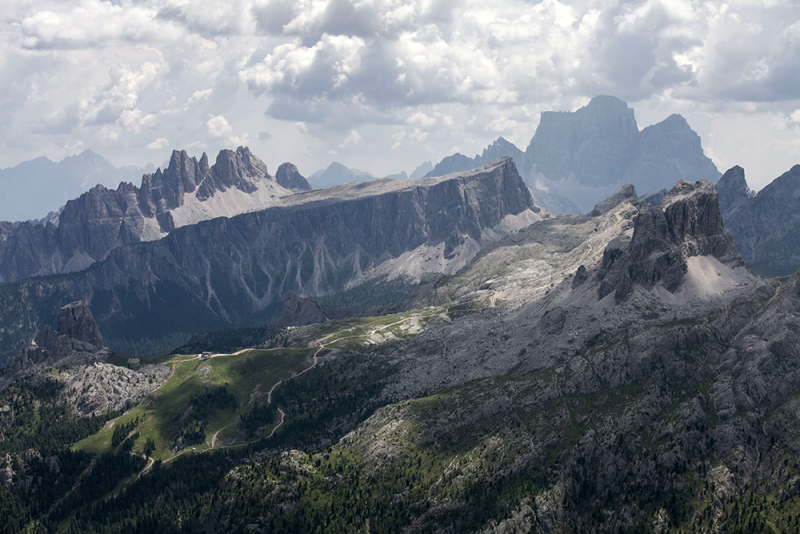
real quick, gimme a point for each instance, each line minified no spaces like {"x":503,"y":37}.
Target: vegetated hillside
{"x":652,"y":388}
{"x":233,"y":272}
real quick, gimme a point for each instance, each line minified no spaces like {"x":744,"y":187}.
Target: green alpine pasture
{"x":210,"y":393}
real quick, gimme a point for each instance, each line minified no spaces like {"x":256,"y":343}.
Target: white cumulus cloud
{"x":114,"y":75}
{"x":158,"y":144}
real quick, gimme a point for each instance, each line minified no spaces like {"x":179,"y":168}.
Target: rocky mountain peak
{"x":240,"y":169}
{"x":77,"y":333}
{"x":75,"y":321}
{"x":687,"y":223}
{"x":593,"y":144}
{"x":732,"y":190}
{"x":667,"y":152}
{"x":289,"y":177}
{"x":164,"y":190}
{"x":765,"y":226}
{"x":204,"y":168}
{"x":500,"y":148}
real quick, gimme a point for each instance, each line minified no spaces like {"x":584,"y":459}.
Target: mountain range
{"x":337,"y":174}
{"x":34,"y":188}
{"x":235,"y":271}
{"x":576,"y":159}
{"x":620,"y":371}
{"x":186,"y":192}
{"x":221,"y":350}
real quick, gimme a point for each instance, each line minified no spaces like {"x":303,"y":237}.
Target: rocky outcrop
{"x":302,"y":311}
{"x":89,"y":227}
{"x":75,"y":321}
{"x":289,"y":177}
{"x":733,"y":191}
{"x":687,"y":223}
{"x":99,"y":388}
{"x":89,"y":385}
{"x":765,"y":226}
{"x":77,"y":333}
{"x":626,"y":194}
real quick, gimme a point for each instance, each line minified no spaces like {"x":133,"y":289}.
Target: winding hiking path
{"x":269,"y":394}
{"x":147,"y":468}
{"x":324,"y":343}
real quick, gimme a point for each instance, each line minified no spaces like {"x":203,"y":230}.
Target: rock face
{"x":765,"y":226}
{"x":77,"y":333}
{"x":687,"y":223}
{"x":289,"y":177}
{"x":733,"y":191}
{"x":592,"y":146}
{"x":89,"y":227}
{"x":75,"y":321}
{"x":229,"y":271}
{"x":300,"y":311}
{"x":576,"y":159}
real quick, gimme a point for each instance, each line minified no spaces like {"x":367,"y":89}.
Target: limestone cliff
{"x":229,"y":271}
{"x":687,"y":223}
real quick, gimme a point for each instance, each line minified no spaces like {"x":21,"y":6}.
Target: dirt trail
{"x":269,"y":395}
{"x":147,"y":468}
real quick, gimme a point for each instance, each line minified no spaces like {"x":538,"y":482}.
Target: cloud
{"x":398,"y":54}
{"x":90,"y":23}
{"x":413,"y":78}
{"x":199,"y":95}
{"x":353,"y":138}
{"x":158,"y":144}
{"x":209,"y":17}
{"x":218,"y":127}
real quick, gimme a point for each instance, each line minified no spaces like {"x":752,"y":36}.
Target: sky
{"x":383,"y":85}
